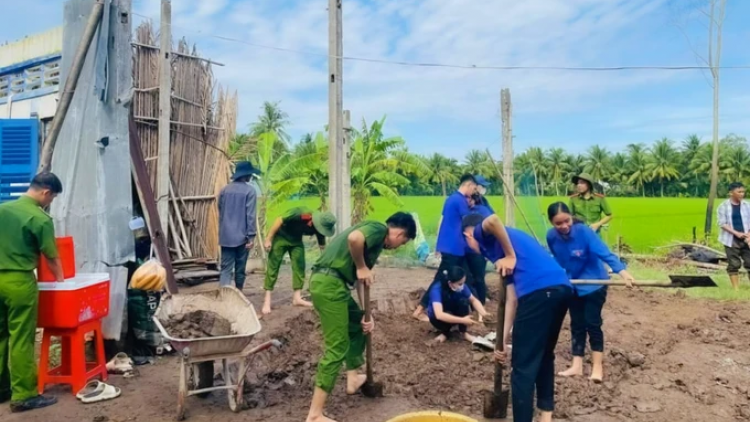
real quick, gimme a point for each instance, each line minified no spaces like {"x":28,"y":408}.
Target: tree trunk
{"x":536,"y":181}
{"x":442,"y":182}
{"x":662,"y":188}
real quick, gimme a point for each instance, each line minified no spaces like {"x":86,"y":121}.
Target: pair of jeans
{"x":539,"y":317}
{"x":586,"y":318}
{"x":478,"y":270}
{"x":233,"y":260}
{"x":447,"y":261}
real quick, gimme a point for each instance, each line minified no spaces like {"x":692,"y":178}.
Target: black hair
{"x":735,"y":185}
{"x":468,"y":178}
{"x":454,"y":274}
{"x":403,"y":220}
{"x":47,"y":180}
{"x":471,"y":220}
{"x":560,"y":207}
{"x":477,"y":198}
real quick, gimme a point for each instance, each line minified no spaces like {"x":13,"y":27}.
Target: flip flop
{"x":96,"y":391}
{"x":483,"y":343}
{"x":120,"y":364}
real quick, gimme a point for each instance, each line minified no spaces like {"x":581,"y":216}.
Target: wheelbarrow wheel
{"x":203,"y":377}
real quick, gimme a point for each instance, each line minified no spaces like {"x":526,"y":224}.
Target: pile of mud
{"x":198,"y":324}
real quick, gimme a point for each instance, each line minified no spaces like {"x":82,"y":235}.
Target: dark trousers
{"x":478,"y":269}
{"x":586,"y":318}
{"x":539,"y":318}
{"x":737,"y":255}
{"x":233,"y":260}
{"x":446,"y":261}
{"x":460,"y":309}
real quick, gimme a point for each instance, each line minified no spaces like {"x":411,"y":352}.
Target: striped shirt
{"x":724,"y":218}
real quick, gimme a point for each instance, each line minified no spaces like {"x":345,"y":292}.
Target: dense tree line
{"x":383,"y":166}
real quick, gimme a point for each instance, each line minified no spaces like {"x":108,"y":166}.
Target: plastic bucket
{"x":432,"y":417}
{"x":66,"y":250}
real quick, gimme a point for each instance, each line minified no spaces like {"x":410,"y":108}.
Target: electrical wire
{"x":455,"y":66}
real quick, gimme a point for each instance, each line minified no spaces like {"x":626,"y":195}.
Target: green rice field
{"x":642,"y":222}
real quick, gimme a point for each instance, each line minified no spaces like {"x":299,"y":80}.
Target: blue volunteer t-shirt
{"x":581,"y":254}
{"x":435,"y":295}
{"x":535,"y":267}
{"x":483,"y":210}
{"x":451,"y":239}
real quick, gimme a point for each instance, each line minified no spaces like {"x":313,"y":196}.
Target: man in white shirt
{"x":734,"y":220}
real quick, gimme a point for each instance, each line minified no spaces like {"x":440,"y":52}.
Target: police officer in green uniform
{"x":27,"y":231}
{"x":587,"y":206}
{"x":285,"y":236}
{"x":347,"y":262}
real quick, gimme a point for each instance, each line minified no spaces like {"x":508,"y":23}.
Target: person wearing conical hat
{"x":285,"y":236}
{"x":587,"y":206}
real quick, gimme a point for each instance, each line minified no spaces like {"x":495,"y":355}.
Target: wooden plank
{"x":184,"y":275}
{"x":146,"y":195}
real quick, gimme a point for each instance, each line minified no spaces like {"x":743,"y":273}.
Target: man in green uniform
{"x":588,"y":206}
{"x":347,"y":262}
{"x":285,"y":237}
{"x":27,"y":232}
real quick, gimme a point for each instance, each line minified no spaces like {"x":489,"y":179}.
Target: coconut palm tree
{"x":596,"y":162}
{"x":443,"y":170}
{"x":477,"y":162}
{"x":664,"y":162}
{"x":735,"y":162}
{"x":538,"y":162}
{"x":273,"y":120}
{"x":637,"y":164}
{"x":557,"y":167}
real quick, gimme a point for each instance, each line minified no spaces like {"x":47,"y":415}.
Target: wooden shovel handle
{"x":500,"y":335}
{"x":368,"y":337}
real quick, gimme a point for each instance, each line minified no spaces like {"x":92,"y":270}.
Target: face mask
{"x":482,"y":190}
{"x":455,"y":288}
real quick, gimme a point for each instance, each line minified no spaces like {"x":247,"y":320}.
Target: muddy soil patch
{"x":198,"y":324}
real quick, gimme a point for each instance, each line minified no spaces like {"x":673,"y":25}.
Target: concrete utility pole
{"x":165,"y":114}
{"x":337,"y":152}
{"x":509,"y":183}
{"x":346,"y":177}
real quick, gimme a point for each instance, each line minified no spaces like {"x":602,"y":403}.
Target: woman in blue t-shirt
{"x":537,"y":295}
{"x":450,"y":305}
{"x":580,"y":251}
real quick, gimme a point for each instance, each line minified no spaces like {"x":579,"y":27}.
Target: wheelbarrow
{"x":197,"y":356}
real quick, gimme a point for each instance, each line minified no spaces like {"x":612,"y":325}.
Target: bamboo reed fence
{"x":204,"y":117}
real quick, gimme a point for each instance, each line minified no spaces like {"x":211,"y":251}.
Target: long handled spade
{"x":370,"y":388}
{"x":496,"y":401}
{"x":675,"y":281}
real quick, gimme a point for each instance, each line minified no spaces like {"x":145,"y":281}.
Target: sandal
{"x":96,"y":391}
{"x":120,"y":364}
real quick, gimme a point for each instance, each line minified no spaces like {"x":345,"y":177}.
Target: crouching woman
{"x":450,"y":305}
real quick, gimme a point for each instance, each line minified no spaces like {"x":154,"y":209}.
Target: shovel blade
{"x":688,"y":281}
{"x":496,"y":405}
{"x":372,"y":389}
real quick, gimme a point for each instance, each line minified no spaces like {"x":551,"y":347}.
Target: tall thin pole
{"x":71,"y":82}
{"x":508,"y":178}
{"x":346,"y":193}
{"x":335,"y":111}
{"x":165,"y":113}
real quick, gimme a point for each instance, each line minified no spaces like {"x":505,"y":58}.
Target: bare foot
{"x":596,"y":375}
{"x":573,"y":371}
{"x":298,"y":301}
{"x":353,"y":384}
{"x":320,"y":418}
{"x":440,"y":339}
{"x":545,"y":416}
{"x":468,"y":337}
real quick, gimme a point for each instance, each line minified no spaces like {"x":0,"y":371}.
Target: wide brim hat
{"x":585,"y":177}
{"x":324,"y":223}
{"x":244,"y":169}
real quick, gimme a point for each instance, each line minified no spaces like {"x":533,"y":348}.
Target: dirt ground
{"x":668,"y":358}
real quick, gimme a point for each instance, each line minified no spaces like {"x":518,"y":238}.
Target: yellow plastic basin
{"x":432,"y":417}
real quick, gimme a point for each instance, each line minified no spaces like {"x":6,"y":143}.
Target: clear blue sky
{"x":453,"y":110}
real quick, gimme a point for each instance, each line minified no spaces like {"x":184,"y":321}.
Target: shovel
{"x":370,"y":388}
{"x":496,"y":401}
{"x":675,"y":281}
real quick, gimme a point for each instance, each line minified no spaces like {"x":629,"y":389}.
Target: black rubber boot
{"x":33,"y":403}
